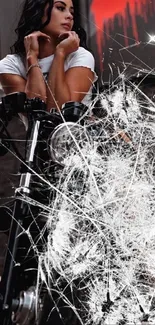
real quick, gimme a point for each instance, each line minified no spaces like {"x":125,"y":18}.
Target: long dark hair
{"x":31,"y":20}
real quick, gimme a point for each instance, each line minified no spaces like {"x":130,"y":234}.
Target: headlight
{"x":67,"y":139}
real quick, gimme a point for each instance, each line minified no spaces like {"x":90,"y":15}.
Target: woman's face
{"x":61,"y":18}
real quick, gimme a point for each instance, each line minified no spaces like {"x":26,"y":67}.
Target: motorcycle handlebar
{"x":17,"y":102}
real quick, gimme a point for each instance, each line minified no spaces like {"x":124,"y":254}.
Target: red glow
{"x":105,"y":10}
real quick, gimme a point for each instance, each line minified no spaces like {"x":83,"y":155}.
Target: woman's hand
{"x":68,"y":42}
{"x":31,"y":43}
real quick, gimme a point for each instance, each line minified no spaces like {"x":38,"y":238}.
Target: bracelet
{"x":32,"y":66}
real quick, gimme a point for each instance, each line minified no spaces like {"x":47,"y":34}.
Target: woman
{"x":49,"y":61}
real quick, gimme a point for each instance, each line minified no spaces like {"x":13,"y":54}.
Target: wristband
{"x":32,"y":66}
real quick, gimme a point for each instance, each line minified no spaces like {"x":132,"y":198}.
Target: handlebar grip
{"x":11,"y":105}
{"x":14,"y":102}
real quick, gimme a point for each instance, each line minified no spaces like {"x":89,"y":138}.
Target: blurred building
{"x":121,"y":35}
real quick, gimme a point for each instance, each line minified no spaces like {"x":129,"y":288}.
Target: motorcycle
{"x":20,"y":301}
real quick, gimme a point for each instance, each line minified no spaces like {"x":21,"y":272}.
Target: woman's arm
{"x":63,"y":86}
{"x":71,"y":85}
{"x":35,"y":86}
{"x":12,"y":83}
